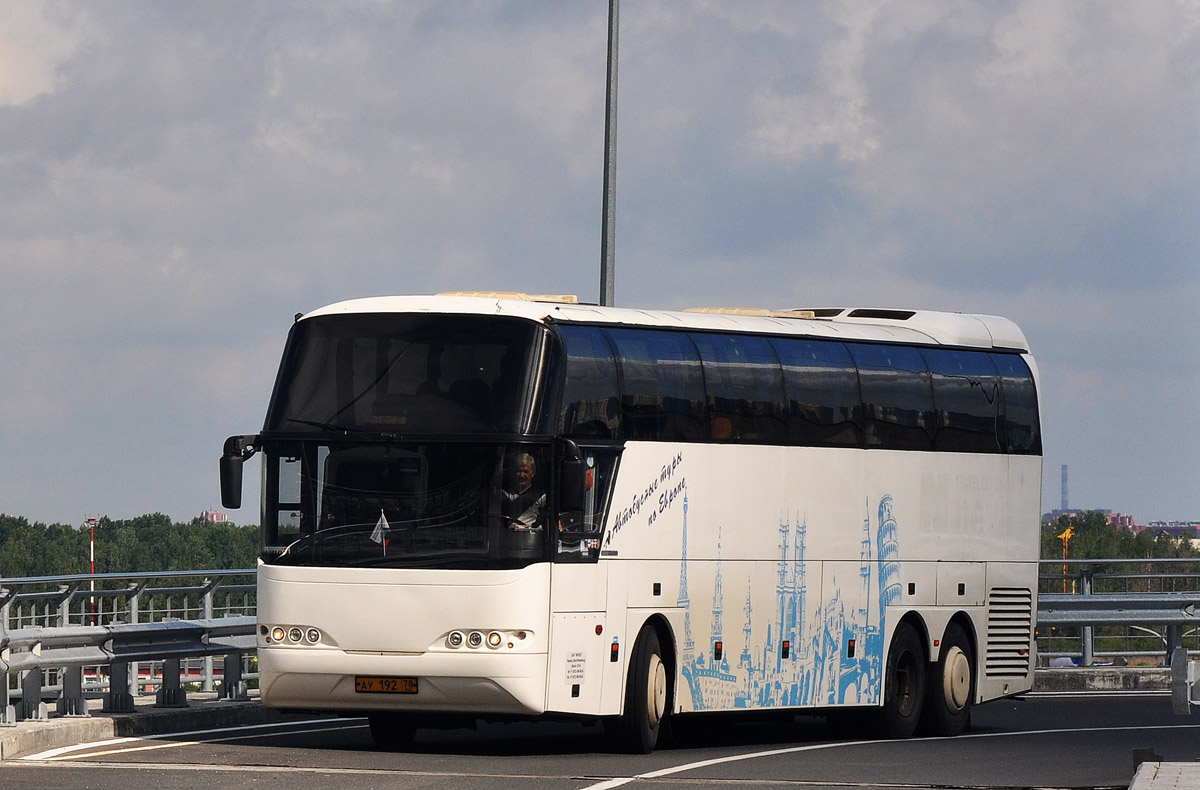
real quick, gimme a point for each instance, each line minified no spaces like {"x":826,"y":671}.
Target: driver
{"x":526,"y":505}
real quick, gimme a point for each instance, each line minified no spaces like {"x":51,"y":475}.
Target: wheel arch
{"x":964,"y":621}
{"x":666,"y":643}
{"x":918,"y":624}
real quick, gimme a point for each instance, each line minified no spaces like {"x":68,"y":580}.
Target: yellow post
{"x":1065,"y":537}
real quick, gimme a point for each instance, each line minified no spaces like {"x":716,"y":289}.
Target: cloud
{"x":176,"y":183}
{"x":35,"y":39}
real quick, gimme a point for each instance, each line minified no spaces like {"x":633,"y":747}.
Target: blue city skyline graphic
{"x":830,"y":655}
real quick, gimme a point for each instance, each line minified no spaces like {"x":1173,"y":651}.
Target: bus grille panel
{"x":1010,"y":627}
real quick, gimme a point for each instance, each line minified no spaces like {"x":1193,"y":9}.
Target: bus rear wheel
{"x":392,"y":730}
{"x":903,"y":684}
{"x":646,"y":700}
{"x":951,"y":685}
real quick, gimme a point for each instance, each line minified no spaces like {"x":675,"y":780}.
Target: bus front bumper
{"x":317,"y":679}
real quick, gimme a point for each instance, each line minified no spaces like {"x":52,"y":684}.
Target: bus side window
{"x":897,"y":396}
{"x":662,"y":386}
{"x":580,"y":531}
{"x":966,"y":395}
{"x":1022,"y":433}
{"x":591,"y":406}
{"x":744,"y":387}
{"x":822,"y":397}
{"x":285,"y":484}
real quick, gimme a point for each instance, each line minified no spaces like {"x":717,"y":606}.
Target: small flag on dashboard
{"x":382,"y":533}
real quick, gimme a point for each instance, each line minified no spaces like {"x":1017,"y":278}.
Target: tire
{"x":950,"y":686}
{"x":903,"y":684}
{"x":392,"y":731}
{"x":647,"y":702}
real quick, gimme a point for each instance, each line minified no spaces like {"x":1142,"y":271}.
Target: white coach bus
{"x":499,"y":506}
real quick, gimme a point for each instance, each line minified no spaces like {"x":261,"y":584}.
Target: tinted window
{"x":662,"y":385}
{"x":1022,"y":433}
{"x":398,"y":373}
{"x":896,"y":394}
{"x":591,"y":404}
{"x":745,"y":388}
{"x":966,"y":395}
{"x":821,"y":392}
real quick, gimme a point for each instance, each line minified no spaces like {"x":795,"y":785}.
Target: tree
{"x":151,"y":542}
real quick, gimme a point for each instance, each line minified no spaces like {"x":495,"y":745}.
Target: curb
{"x":204,"y":711}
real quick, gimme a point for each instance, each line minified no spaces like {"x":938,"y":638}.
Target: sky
{"x":178,"y":180}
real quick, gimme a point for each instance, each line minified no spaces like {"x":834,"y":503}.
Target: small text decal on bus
{"x":664,"y":501}
{"x":670,"y":492}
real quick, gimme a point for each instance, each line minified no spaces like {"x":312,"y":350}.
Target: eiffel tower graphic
{"x":689,"y":645}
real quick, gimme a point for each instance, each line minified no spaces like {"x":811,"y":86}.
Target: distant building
{"x":1175,"y":529}
{"x":1121,"y":521}
{"x":1055,"y":515}
{"x":214,"y":517}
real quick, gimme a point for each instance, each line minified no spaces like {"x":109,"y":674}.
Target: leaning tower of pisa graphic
{"x":887,"y":553}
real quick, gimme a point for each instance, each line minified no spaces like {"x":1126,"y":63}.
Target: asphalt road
{"x":1044,"y":741}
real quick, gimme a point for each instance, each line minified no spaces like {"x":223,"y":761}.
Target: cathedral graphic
{"x":831,"y":654}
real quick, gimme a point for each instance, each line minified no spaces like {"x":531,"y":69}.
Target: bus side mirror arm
{"x":572,"y":478}
{"x":237,"y":450}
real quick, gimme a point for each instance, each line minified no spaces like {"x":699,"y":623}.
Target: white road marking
{"x":82,"y":751}
{"x":621,"y":781}
{"x":70,"y":752}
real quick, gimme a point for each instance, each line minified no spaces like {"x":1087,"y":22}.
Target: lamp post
{"x":608,"y":234}
{"x":91,"y":525}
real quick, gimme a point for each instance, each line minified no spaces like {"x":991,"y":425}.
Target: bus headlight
{"x":478,"y":638}
{"x":302,"y":635}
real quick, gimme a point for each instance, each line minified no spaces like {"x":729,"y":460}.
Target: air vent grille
{"x":1010,"y":632}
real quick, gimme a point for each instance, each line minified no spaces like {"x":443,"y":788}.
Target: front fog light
{"x":495,"y":639}
{"x":278,"y":634}
{"x":475,"y":639}
{"x":455,"y":639}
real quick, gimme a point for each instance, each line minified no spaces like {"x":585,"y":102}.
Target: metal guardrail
{"x":1177,"y":609}
{"x":69,"y":637}
{"x":1169,"y":607}
{"x":28,"y":651}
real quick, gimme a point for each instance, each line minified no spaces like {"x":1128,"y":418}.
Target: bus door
{"x":587,"y":595}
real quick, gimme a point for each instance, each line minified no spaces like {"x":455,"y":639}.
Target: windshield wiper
{"x":328,"y":426}
{"x":458,"y":562}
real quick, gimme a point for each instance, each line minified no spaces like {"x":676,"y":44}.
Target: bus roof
{"x":925,"y":327}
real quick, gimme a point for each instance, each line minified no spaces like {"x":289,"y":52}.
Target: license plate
{"x":381,"y":685}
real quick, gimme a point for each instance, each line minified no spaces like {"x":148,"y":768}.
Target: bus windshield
{"x":377,"y":504}
{"x":405,"y":374}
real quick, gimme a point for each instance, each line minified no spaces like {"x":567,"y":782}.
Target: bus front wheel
{"x":951,"y":685}
{"x":636,"y":730}
{"x":903,"y":684}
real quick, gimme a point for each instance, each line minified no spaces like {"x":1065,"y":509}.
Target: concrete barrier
{"x":204,"y":711}
{"x":1103,"y":679}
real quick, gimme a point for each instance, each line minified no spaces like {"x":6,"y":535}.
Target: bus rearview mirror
{"x":572,"y":479}
{"x":231,"y":481}
{"x":237,"y":450}
{"x":572,"y":485}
